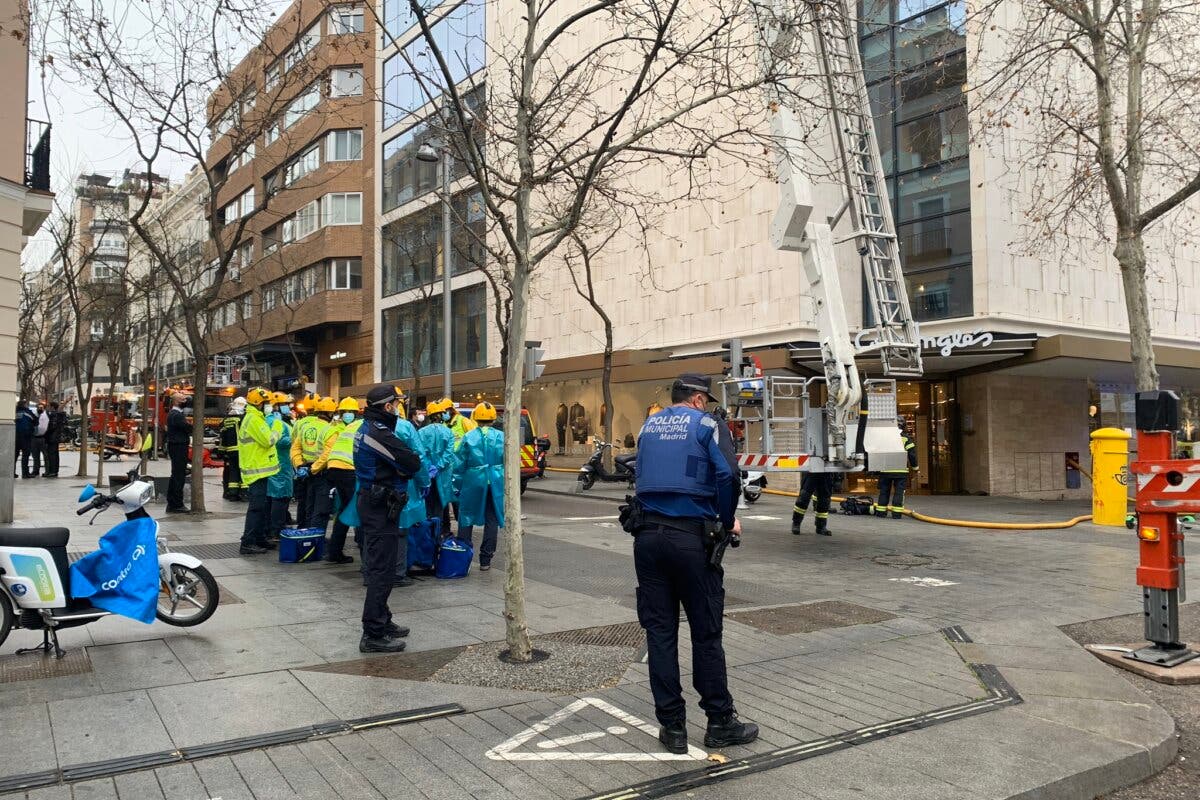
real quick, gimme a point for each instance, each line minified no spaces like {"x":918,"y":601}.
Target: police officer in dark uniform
{"x":383,"y":464}
{"x":684,"y":505}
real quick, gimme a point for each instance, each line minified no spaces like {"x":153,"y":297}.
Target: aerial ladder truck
{"x":855,"y":428}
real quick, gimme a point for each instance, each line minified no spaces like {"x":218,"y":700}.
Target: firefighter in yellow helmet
{"x":259,"y":460}
{"x":479,"y":473}
{"x":306,"y":448}
{"x":279,"y":485}
{"x":336,"y":466}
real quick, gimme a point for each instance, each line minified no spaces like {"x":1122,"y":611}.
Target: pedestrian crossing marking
{"x":929,"y":583}
{"x":552,"y":749}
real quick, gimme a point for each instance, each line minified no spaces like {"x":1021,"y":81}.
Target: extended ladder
{"x":897,"y":339}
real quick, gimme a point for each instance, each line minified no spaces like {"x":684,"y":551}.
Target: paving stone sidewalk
{"x":283,"y":655}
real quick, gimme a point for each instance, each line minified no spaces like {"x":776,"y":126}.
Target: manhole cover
{"x":35,"y":667}
{"x":809,"y":617}
{"x":627,"y":634}
{"x":903,"y":560}
{"x":402,"y":666}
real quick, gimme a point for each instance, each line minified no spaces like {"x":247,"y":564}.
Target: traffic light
{"x":533,"y":354}
{"x":738,"y":364}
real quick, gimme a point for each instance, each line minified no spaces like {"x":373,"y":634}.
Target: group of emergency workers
{"x":367,"y":466}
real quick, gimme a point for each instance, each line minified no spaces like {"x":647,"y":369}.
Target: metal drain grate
{"x":35,"y":667}
{"x":809,"y":617}
{"x":626,"y":634}
{"x":213,"y":551}
{"x":402,"y":666}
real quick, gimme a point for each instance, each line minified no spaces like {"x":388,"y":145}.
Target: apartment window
{"x":273,"y":75}
{"x":411,"y":334}
{"x":411,"y":78}
{"x":247,"y":201}
{"x":405,"y":177}
{"x":105,"y":271}
{"x":345,"y":273}
{"x":248,"y":306}
{"x":345,"y":82}
{"x":307,"y":162}
{"x":226,"y":121}
{"x":273,"y":132}
{"x":344,"y":145}
{"x":97,"y":330}
{"x":343,"y":208}
{"x":245,"y":255}
{"x":248,"y":101}
{"x":270,"y":297}
{"x":307,"y":220}
{"x":301,"y":105}
{"x":345,"y":19}
{"x":271,"y":239}
{"x":271,"y":184}
{"x":398,"y":17}
{"x":302,"y":47}
{"x":244,"y":158}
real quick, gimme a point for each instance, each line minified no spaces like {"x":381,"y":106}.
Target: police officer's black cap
{"x":695,"y":382}
{"x":381,"y":395}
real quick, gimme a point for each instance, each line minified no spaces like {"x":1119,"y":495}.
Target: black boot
{"x":674,"y":738}
{"x":395,"y":631}
{"x":369,"y":644}
{"x":796,"y":522}
{"x":823,"y":528}
{"x":725,"y":730}
{"x":251,"y":550}
{"x":897,"y":515}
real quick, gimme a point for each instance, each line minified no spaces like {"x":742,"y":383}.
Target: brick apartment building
{"x":293,"y":143}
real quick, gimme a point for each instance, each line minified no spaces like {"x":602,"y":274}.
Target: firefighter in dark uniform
{"x":383,"y":464}
{"x":892,"y":482}
{"x":684,"y":508}
{"x":819,"y":485}
{"x":231,"y":476}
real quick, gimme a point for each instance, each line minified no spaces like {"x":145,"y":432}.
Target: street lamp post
{"x":430,"y":154}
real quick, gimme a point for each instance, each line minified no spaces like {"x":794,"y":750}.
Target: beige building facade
{"x":1025,"y":355}
{"x":25,"y":202}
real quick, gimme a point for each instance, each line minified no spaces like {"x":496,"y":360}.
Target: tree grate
{"x":36,"y":667}
{"x":626,"y":634}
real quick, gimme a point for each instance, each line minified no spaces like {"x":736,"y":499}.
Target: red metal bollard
{"x":1166,"y":487}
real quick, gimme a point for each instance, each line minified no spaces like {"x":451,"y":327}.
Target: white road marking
{"x":763,"y":518}
{"x":929,"y":583}
{"x":589,"y":519}
{"x":509,"y":750}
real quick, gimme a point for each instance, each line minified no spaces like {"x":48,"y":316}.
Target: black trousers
{"x":258,"y":514}
{"x":381,"y":552}
{"x":891,"y":493}
{"x":814,"y":484}
{"x":300,"y":491}
{"x":278,"y":513}
{"x":435,"y":508}
{"x":672,"y":569}
{"x":178,"y":452}
{"x":39,"y":448}
{"x":52,"y":455}
{"x":231,"y":476}
{"x":319,"y":505}
{"x":24,"y":444}
{"x":342,"y":481}
{"x":491,"y":531}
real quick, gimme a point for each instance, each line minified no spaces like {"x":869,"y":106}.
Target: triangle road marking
{"x":551,"y":749}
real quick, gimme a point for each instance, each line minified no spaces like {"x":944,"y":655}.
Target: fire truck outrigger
{"x":856,"y":428}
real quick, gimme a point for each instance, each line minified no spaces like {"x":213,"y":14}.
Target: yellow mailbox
{"x":1110,"y":476}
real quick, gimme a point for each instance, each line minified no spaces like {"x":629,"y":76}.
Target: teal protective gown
{"x":478,"y":466}
{"x":414,"y":510}
{"x":280,"y":484}
{"x":438,"y":440}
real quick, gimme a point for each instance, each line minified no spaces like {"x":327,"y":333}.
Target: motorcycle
{"x":753,"y":484}
{"x":624,"y":468}
{"x":542,"y":450}
{"x":35,"y":575}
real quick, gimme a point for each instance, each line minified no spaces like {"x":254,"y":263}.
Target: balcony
{"x":109,"y":249}
{"x":38,"y":201}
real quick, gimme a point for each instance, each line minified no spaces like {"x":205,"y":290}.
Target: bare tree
{"x":40,"y":335}
{"x":155,"y":68}
{"x":581,"y":100}
{"x":1099,"y":101}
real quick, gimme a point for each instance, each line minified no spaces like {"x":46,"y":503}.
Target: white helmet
{"x":238,"y":406}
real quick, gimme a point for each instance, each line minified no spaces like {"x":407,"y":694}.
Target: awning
{"x":941,"y":353}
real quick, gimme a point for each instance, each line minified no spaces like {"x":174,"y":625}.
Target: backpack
{"x":857,"y":506}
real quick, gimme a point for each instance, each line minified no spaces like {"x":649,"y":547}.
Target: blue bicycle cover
{"x":122,"y":576}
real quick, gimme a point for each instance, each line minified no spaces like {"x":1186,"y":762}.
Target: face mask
{"x":348,"y":417}
{"x":268,"y":408}
{"x":285,"y":409}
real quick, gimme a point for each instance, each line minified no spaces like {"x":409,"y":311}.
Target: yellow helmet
{"x":257,"y":396}
{"x":348,"y":404}
{"x":437,"y":406}
{"x":326,"y":405}
{"x":484,"y":412}
{"x":280,"y":397}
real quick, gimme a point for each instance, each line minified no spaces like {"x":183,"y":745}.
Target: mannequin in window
{"x":579,"y":423}
{"x":560,"y":427}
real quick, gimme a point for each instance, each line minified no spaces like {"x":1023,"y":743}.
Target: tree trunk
{"x":516,"y":628}
{"x":606,"y":383}
{"x":199,"y":389}
{"x":1131,"y":255}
